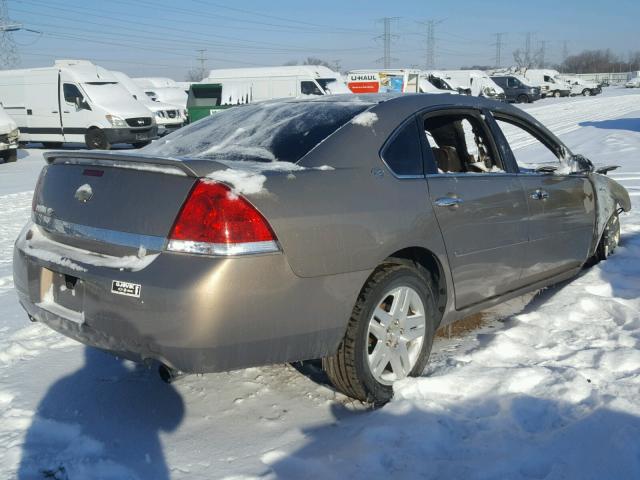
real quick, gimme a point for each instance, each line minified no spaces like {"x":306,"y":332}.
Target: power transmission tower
{"x":527,"y":47}
{"x":202,"y":59}
{"x":430,"y":57}
{"x":565,"y":50}
{"x":542,"y":53}
{"x":8,"y":51}
{"x":387,"y":38}
{"x":499,"y":44}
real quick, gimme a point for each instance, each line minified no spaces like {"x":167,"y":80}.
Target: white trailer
{"x":74,"y":101}
{"x":9,"y":135}
{"x":266,"y":83}
{"x":169,"y":117}
{"x":477,"y":81}
{"x":400,"y":80}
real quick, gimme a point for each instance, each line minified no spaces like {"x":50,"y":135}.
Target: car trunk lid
{"x":110,"y":204}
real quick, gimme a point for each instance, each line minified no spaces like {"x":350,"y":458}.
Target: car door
{"x":561,"y":204}
{"x":482,"y":215}
{"x":42,"y":107}
{"x":76,"y":112}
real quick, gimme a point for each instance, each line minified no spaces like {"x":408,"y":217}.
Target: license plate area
{"x":142,"y":136}
{"x":62,"y":295}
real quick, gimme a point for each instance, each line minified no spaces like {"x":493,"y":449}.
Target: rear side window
{"x":403,"y":153}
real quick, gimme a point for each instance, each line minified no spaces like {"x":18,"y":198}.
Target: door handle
{"x":54,"y":111}
{"x":448,"y":201}
{"x":64,"y":111}
{"x":540,"y":194}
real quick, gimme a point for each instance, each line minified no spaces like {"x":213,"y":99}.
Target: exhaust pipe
{"x":168,"y":374}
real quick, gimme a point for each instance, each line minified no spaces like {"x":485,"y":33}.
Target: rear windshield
{"x":264,"y":132}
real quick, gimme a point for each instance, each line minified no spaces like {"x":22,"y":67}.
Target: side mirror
{"x":584,"y":164}
{"x":608,"y":168}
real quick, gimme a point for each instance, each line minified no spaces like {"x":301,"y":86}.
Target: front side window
{"x":403,"y":153}
{"x":310,"y":88}
{"x":459,"y":144}
{"x":530,"y":153}
{"x":72,"y":93}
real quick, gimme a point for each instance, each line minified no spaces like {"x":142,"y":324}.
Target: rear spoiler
{"x":170,"y":166}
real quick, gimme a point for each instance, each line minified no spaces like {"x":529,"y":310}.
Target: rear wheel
{"x":389,"y":335}
{"x":610,"y":238}
{"x":523,"y":99}
{"x":96,"y":139}
{"x":586,"y":92}
{"x":9,"y":156}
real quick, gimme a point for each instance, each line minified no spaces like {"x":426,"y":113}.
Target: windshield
{"x":104,"y":93}
{"x":264,"y":132}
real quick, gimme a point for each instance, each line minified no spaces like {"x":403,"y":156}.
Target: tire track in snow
{"x":566,"y":118}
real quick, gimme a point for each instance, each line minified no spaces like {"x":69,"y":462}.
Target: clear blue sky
{"x":160,"y":37}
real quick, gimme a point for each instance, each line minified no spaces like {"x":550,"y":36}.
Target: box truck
{"x":9,"y":134}
{"x":168,"y":117}
{"x":401,"y":80}
{"x":74,"y":101}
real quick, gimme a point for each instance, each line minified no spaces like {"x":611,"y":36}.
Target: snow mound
{"x":365,"y":119}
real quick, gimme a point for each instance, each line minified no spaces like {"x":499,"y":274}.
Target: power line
{"x":8,"y":51}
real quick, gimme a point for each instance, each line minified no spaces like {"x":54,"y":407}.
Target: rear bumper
{"x":131,"y":135}
{"x":195,"y":313}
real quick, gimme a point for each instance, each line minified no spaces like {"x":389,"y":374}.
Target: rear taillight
{"x":216,"y":221}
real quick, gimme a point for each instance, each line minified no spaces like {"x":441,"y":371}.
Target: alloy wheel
{"x":395,"y":334}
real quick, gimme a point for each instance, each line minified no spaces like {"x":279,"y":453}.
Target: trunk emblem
{"x":84,"y":193}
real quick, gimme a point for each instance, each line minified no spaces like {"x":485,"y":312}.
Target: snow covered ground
{"x":549,"y":388}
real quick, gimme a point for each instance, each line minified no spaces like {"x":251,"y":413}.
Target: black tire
{"x":557,"y":94}
{"x":586,"y":92}
{"x":348,"y":369}
{"x":522,"y":99}
{"x":52,"y":145}
{"x":609,"y":240}
{"x":9,"y":156}
{"x":96,"y":139}
{"x":140,"y":144}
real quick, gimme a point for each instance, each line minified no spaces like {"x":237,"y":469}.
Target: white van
{"x":581,"y":87}
{"x":549,"y":81}
{"x":74,"y":101}
{"x":155,"y":82}
{"x":169,"y":117}
{"x":438,"y":79}
{"x":477,"y":81}
{"x":401,"y":80}
{"x":266,"y":83}
{"x":9,"y":134}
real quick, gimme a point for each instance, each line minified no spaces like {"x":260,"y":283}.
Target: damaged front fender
{"x":610,"y":196}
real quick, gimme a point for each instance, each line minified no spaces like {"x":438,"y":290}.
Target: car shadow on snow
{"x":631,"y":124}
{"x":102,"y":421}
{"x":515,"y":436}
